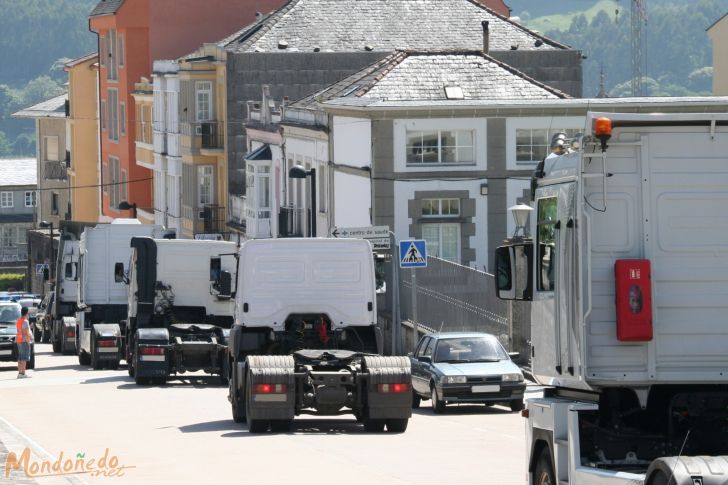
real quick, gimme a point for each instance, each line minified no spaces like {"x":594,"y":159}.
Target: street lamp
{"x":520,"y":215}
{"x":125,"y":206}
{"x":46,"y":224}
{"x":298,"y":172}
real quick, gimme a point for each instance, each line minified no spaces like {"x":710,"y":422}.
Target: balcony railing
{"x":290,"y":222}
{"x":214,"y":219}
{"x":55,"y":170}
{"x":206,"y":135}
{"x":144,"y":132}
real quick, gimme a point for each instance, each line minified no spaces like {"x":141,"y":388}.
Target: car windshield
{"x":9,"y":313}
{"x":469,"y":349}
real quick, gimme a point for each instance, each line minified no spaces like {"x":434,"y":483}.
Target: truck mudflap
{"x":151,"y":358}
{"x":105,"y":345}
{"x":270,"y":387}
{"x":389,"y":387}
{"x":688,"y":470}
{"x":68,"y":335}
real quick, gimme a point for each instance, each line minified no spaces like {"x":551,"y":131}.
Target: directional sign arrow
{"x":335,"y":232}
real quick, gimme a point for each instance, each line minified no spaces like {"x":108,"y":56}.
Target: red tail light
{"x":393,"y":388}
{"x":70,"y":333}
{"x":105,"y":343}
{"x":270,"y":388}
{"x":151,"y":350}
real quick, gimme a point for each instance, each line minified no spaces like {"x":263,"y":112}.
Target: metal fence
{"x":454,"y":298}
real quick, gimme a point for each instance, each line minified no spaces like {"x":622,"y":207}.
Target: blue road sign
{"x":413,"y":253}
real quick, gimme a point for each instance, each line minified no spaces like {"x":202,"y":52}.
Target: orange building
{"x":131,"y":35}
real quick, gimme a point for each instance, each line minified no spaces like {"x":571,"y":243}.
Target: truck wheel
{"x":438,"y":406}
{"x":225,"y":372}
{"x":37,"y":334}
{"x":374,"y":425}
{"x":281,"y":425}
{"x":516,"y":405}
{"x":56,"y":345}
{"x":114,"y":365}
{"x":238,"y":405}
{"x":543,"y":474}
{"x":416,"y":400}
{"x":397,"y":425}
{"x":254,"y":425}
{"x":83,"y":358}
{"x":45,"y":335}
{"x":659,"y":478}
{"x":130,"y":367}
{"x":95,"y":364}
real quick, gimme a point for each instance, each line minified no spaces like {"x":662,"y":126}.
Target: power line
{"x":80,"y":186}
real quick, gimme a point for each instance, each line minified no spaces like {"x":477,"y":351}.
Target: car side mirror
{"x":410,"y":354}
{"x":424,"y":358}
{"x":514,"y":355}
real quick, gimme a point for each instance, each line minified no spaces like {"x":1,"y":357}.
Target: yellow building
{"x":82,"y":131}
{"x":203,"y":113}
{"x":143,"y":102}
{"x":718,"y":33}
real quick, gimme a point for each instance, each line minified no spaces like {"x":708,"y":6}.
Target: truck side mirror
{"x":119,"y":273}
{"x":224,"y":285}
{"x":513,"y":273}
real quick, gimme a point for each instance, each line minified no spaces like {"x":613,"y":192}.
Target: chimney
{"x":486,"y":37}
{"x":264,"y":108}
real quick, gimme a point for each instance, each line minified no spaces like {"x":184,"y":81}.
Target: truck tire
{"x":438,"y":405}
{"x":397,"y":425}
{"x":236,"y":402}
{"x":83,"y":358}
{"x":56,"y":345}
{"x":254,"y":425}
{"x":416,"y":400}
{"x":659,"y":478}
{"x":45,"y":335}
{"x":95,"y":364}
{"x":374,"y":425}
{"x":225,"y":372}
{"x":543,"y":474}
{"x":37,"y":333}
{"x":516,"y":405}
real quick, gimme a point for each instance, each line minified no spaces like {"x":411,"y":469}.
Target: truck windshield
{"x":470,"y":349}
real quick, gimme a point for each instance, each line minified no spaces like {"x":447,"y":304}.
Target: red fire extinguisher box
{"x":634,"y":300}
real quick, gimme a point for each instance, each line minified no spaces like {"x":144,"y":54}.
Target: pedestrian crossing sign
{"x":413,"y":253}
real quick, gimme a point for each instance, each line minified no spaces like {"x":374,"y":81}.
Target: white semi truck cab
{"x":626,"y":271}
{"x":306,"y":340}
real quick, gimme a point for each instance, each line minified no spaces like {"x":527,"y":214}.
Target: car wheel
{"x":374,"y":425}
{"x":416,"y":400}
{"x":438,"y":405}
{"x":543,"y":474}
{"x":516,"y":405}
{"x":397,"y":425}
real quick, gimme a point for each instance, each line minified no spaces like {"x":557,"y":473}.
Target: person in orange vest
{"x":23,"y":340}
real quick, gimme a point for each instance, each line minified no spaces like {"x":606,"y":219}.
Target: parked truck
{"x":178,"y":319}
{"x":627,"y":275}
{"x":306,"y":340}
{"x":104,"y":254}
{"x":65,"y":298}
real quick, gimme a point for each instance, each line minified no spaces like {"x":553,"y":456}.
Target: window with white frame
{"x":440,"y":207}
{"x":443,"y":240}
{"x":124,"y":187}
{"x":263,"y":191}
{"x":206,"y":185}
{"x":51,"y":148}
{"x":107,"y":178}
{"x":30,"y":198}
{"x":102,"y":54}
{"x":203,"y":100}
{"x":322,"y":186}
{"x":8,"y":236}
{"x":113,"y":114}
{"x":440,"y":147}
{"x":111,"y":72}
{"x":102,"y":114}
{"x":6,"y":199}
{"x":533,"y":144}
{"x":121,"y":50}
{"x":114,"y":182}
{"x":122,"y":121}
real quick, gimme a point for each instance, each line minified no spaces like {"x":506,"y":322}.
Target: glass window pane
{"x":540,"y":137}
{"x":523,"y":137}
{"x":450,"y":242}
{"x":465,"y":154}
{"x":427,"y":209}
{"x":429,"y":147}
{"x":414,"y":147}
{"x":448,"y":138}
{"x":465,"y":138}
{"x":539,"y":152}
{"x":431,"y":234}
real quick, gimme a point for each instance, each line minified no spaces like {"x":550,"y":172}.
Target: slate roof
{"x":423,"y":76}
{"x":18,"y":171}
{"x":106,"y":7}
{"x":50,"y":108}
{"x":384,"y":25}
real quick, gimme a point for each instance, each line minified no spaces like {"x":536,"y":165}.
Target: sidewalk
{"x":12,"y":440}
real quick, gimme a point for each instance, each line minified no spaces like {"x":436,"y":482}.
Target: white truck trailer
{"x":179,"y":320}
{"x":104,"y":255}
{"x":627,"y":273}
{"x":306,"y":339}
